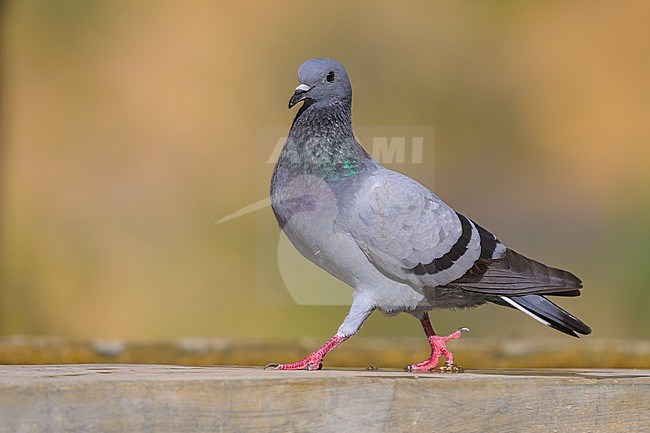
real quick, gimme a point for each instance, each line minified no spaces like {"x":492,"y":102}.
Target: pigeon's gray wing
{"x":516,"y":275}
{"x":411,"y":235}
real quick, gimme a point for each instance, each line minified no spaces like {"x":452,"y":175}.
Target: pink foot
{"x":313,"y":361}
{"x":438,"y":349}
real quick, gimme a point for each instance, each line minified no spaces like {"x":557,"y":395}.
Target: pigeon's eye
{"x":330,"y":76}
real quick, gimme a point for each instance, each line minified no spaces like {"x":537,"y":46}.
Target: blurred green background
{"x":129,"y":127}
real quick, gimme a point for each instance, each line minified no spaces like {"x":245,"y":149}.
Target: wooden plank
{"x":360,"y":352}
{"x":154,"y":398}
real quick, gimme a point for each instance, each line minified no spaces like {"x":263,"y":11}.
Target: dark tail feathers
{"x":546,"y":312}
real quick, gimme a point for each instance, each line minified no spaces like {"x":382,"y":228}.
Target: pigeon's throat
{"x":321,"y":143}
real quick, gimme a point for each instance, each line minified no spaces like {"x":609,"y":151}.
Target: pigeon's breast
{"x":307,"y":208}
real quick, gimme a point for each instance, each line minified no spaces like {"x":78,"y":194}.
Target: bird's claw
{"x":439,"y":349}
{"x":451,"y":368}
{"x":447,"y":368}
{"x":308,"y":366}
{"x":313,"y":361}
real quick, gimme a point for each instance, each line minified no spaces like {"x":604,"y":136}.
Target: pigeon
{"x":398,"y":245}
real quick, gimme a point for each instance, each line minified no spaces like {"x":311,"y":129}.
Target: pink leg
{"x":313,"y":361}
{"x":438,"y":348}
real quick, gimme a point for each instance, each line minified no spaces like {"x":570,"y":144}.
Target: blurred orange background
{"x":129,"y":128}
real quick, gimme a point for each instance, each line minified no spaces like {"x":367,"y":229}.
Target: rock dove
{"x":396,"y":243}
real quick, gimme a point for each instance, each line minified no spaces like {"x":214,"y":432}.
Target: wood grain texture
{"x":154,"y":398}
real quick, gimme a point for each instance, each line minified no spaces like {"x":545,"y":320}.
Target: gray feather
{"x":515,"y":274}
{"x":399,"y":224}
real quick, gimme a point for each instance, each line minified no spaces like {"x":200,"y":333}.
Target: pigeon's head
{"x":322,"y":80}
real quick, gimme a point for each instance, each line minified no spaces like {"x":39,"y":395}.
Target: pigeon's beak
{"x":299,"y":95}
